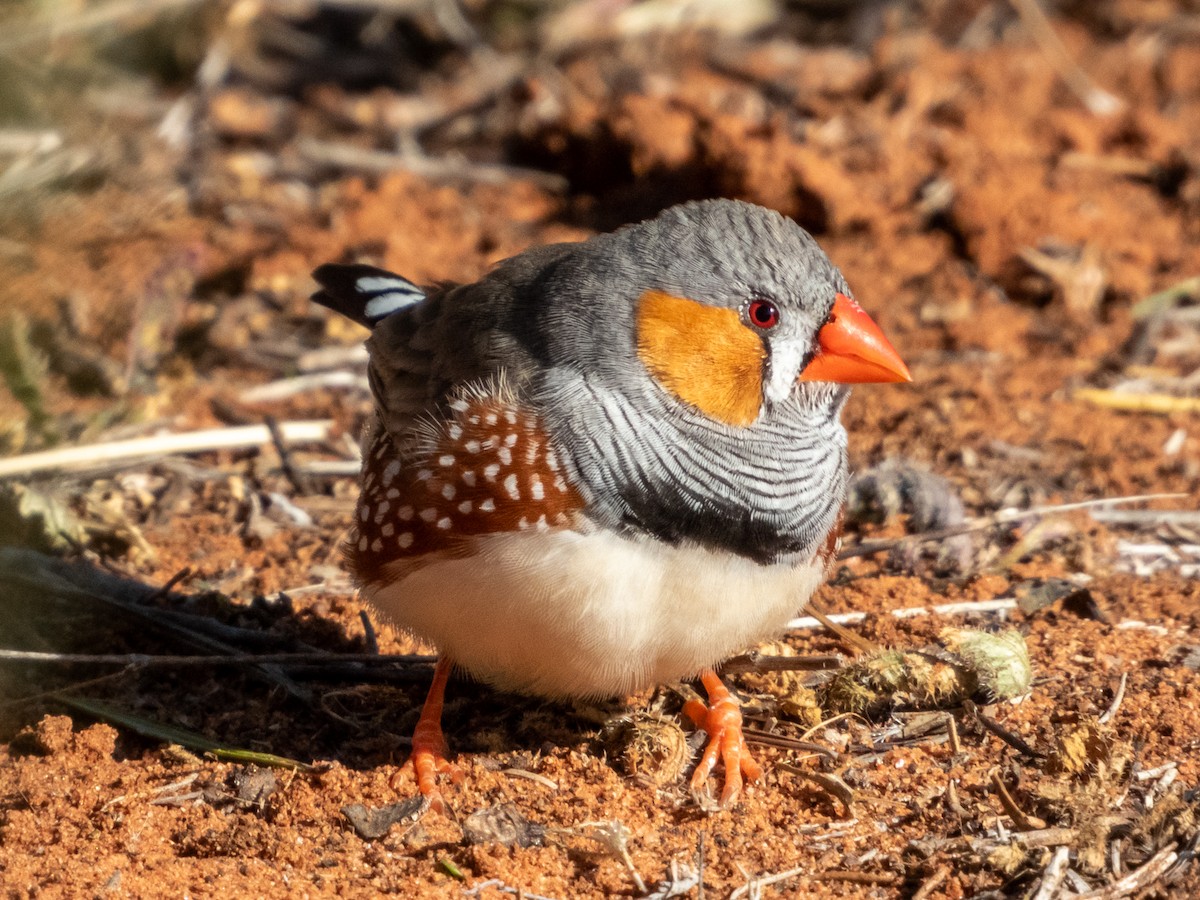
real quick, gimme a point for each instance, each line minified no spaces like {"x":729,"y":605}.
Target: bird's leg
{"x":722,"y":719}
{"x":429,"y":744}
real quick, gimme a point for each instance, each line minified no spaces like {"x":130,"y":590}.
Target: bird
{"x":608,"y":464}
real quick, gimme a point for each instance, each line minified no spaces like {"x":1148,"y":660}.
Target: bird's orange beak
{"x":852,"y":349}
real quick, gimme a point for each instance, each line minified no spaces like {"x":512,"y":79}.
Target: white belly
{"x":568,"y":614}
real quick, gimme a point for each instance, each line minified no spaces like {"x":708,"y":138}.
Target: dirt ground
{"x":1029,"y":241}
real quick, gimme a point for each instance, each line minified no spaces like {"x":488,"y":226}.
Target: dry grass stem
{"x":532,"y":776}
{"x":1159,"y":404}
{"x":973,"y":607}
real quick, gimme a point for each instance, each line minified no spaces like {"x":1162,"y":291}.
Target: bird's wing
{"x":426,"y":342}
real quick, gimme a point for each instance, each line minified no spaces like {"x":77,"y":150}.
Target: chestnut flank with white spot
{"x":468,"y":479}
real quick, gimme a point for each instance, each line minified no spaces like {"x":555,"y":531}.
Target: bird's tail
{"x":363,"y":293}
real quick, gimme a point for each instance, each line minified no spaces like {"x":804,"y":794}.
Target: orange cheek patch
{"x":703,"y":355}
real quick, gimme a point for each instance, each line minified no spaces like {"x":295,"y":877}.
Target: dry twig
{"x":1003,"y":517}
{"x":1099,"y":101}
{"x":1116,"y":702}
{"x":92,"y":455}
{"x":1139,"y":879}
{"x":356,"y":159}
{"x":98,"y":16}
{"x":1054,"y":875}
{"x":172,"y":661}
{"x":1021,"y":819}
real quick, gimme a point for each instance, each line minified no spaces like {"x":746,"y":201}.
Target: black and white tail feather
{"x":366,"y":294}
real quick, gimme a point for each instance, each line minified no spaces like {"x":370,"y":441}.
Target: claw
{"x":722,"y":719}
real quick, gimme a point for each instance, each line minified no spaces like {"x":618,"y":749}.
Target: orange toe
{"x":428,"y":762}
{"x":722,"y":719}
{"x":428,"y":758}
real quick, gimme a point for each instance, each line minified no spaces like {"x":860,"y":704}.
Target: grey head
{"x":648,"y":455}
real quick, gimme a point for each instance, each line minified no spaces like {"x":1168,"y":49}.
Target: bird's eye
{"x":763,"y":314}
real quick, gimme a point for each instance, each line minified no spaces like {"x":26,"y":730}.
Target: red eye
{"x":763,"y":313}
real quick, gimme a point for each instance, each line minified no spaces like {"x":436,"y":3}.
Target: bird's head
{"x":729,"y":308}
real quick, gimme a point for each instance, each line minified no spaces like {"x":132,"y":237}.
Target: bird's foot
{"x":722,"y":719}
{"x":428,"y":761}
{"x":428,"y":758}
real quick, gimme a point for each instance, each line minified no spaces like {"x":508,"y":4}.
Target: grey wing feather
{"x":453,"y":335}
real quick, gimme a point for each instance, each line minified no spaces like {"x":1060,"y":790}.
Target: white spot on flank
{"x":455,"y":432}
{"x":551,"y":460}
{"x":444,"y":524}
{"x":465,"y":507}
{"x":388,"y":529}
{"x":362,"y":544}
{"x":510,"y":485}
{"x":376,"y":545}
{"x":424,"y":475}
{"x":490,"y":472}
{"x":560,"y":484}
{"x":488,"y":505}
{"x":446,"y":460}
{"x":491,"y":418}
{"x":381,"y":511}
{"x":531,"y":454}
{"x":448,"y":491}
{"x":472,"y":446}
{"x":474,"y":420}
{"x":405,"y":512}
{"x":523,"y":522}
{"x":510,"y":417}
{"x":393,"y":493}
{"x":390,"y":472}
{"x":458,"y":405}
{"x":510,"y":441}
{"x":364,"y":513}
{"x":405,"y":540}
{"x":468,"y":477}
{"x":505,"y":456}
{"x":429,"y":514}
{"x":542,"y":524}
{"x":536,"y":491}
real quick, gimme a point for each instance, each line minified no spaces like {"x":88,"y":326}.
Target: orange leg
{"x":429,"y":744}
{"x":723,"y":721}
